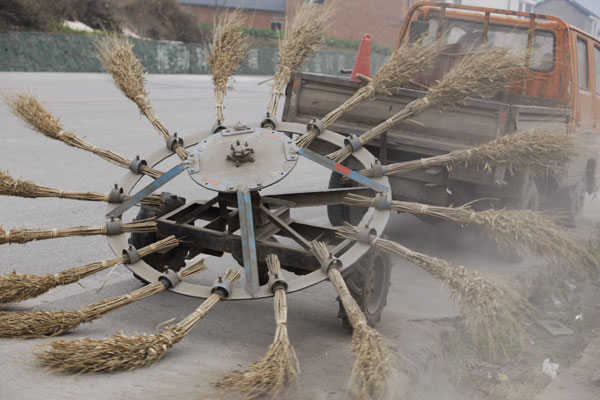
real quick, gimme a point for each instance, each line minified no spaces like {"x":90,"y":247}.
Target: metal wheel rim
{"x":376,"y":219}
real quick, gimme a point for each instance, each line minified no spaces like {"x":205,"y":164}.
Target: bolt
{"x":246,"y":144}
{"x":229,"y":187}
{"x":237,"y":142}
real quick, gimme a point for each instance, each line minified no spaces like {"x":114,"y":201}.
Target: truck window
{"x":582,"y":60}
{"x":466,"y":35}
{"x":597,"y":63}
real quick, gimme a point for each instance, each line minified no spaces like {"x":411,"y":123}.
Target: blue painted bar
{"x":145,"y":192}
{"x":340,"y":169}
{"x":248,"y":241}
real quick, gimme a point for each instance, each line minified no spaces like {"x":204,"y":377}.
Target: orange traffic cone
{"x":362,"y":64}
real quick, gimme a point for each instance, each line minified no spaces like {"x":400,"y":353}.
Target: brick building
{"x":262,"y":14}
{"x":379,"y":18}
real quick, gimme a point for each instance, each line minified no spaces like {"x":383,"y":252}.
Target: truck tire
{"x":368,"y":281}
{"x":572,"y":199}
{"x":338,"y":213}
{"x":173,"y":259}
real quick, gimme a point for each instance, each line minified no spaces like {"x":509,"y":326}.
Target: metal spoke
{"x":248,"y":240}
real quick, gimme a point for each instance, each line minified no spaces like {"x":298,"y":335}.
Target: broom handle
{"x":355,"y":314}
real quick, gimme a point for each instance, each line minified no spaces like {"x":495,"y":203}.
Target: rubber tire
{"x":173,"y":259}
{"x":573,"y":200}
{"x":379,"y":265}
{"x":529,"y":201}
{"x":338,"y":213}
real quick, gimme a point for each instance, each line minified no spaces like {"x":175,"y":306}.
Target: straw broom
{"x":301,"y":38}
{"x":491,"y":309}
{"x":518,"y":228}
{"x":10,"y":186}
{"x":32,"y":112}
{"x":227,"y":51}
{"x":39,"y":323}
{"x":22,"y":235}
{"x":481,"y":73}
{"x":16,"y":287}
{"x":373,"y":366}
{"x":531,"y":149}
{"x":279,"y":367}
{"x":406,"y":62}
{"x":120,"y":352}
{"x":117,"y":57}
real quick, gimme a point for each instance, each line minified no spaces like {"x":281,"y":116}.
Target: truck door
{"x":585,"y":99}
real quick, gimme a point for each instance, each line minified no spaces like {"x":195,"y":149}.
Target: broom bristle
{"x":279,"y":367}
{"x":373,"y":366}
{"x":38,"y":323}
{"x":117,"y":58}
{"x":30,"y":110}
{"x":117,"y":353}
{"x":517,"y":228}
{"x":491,"y":309}
{"x":227,"y":51}
{"x":120,"y":352}
{"x":301,"y":38}
{"x":16,"y":287}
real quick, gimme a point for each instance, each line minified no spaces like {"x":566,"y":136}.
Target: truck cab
{"x":562,"y":89}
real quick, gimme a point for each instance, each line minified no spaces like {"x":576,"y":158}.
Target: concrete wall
{"x":30,"y":51}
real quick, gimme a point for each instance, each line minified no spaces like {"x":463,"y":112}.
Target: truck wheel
{"x":573,"y":199}
{"x":368,"y":281}
{"x":338,"y":213}
{"x":173,"y":259}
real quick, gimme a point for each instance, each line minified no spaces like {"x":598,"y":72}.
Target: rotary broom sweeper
{"x":262,"y":232}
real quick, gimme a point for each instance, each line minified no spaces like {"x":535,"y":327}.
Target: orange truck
{"x":563,"y":87}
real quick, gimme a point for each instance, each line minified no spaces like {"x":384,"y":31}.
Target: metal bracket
{"x":353,"y":141}
{"x":113,"y":227}
{"x":116,"y":195}
{"x":222,"y":287}
{"x":378,"y":170}
{"x":330,"y":262}
{"x":217,"y":128}
{"x":279,"y":284}
{"x":170,"y":278}
{"x":365,"y":233}
{"x":315,"y":125}
{"x":174,"y":141}
{"x":382,"y":202}
{"x":132,"y":253}
{"x":137,"y":165}
{"x":269,"y":122}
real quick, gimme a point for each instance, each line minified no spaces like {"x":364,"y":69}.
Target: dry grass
{"x":118,"y":59}
{"x":482,"y":74}
{"x":302,"y":37}
{"x":491,"y":309}
{"x":22,"y":235}
{"x":16,"y":287}
{"x":279,"y":367}
{"x":373,"y":366}
{"x":31,"y":111}
{"x":10,"y":186}
{"x":405,"y":63}
{"x":120,"y":352}
{"x":228,"y":49}
{"x":534,"y":149}
{"x":39,"y":323}
{"x":518,"y":228}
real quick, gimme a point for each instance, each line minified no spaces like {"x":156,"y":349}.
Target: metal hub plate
{"x":216,"y":162}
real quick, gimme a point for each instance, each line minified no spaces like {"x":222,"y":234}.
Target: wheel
{"x":338,"y":213}
{"x":368,"y":281}
{"x":173,"y":259}
{"x":571,"y":200}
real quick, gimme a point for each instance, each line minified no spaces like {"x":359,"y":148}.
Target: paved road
{"x":236,"y":333}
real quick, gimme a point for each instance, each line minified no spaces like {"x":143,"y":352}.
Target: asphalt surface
{"x":235,"y":333}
